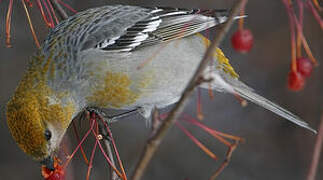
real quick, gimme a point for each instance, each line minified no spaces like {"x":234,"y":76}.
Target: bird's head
{"x":38,"y":118}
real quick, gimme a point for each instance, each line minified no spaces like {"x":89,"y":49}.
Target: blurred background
{"x":274,"y":148}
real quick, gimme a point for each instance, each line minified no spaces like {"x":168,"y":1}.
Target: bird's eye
{"x":48,"y":134}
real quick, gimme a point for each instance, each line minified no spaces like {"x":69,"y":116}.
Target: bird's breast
{"x":154,"y":75}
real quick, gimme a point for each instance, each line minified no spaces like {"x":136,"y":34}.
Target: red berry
{"x":242,"y":40}
{"x":296,"y":81}
{"x":304,"y":66}
{"x":57,"y":174}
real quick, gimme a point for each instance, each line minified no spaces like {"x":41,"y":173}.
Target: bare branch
{"x":154,"y":142}
{"x":317,"y":152}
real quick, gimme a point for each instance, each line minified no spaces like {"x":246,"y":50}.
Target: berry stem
{"x":196,"y":141}
{"x":51,"y":21}
{"x":290,"y":2}
{"x":40,"y":7}
{"x":8,"y":24}
{"x":292,"y":34}
{"x":305,"y":44}
{"x":30,"y":4}
{"x":109,"y":161}
{"x":210,"y":131}
{"x":199,"y":105}
{"x":300,"y":17}
{"x":91,"y":159}
{"x":81,"y":142}
{"x":210,"y":91}
{"x":52,"y":11}
{"x":241,"y":20}
{"x":30,"y":24}
{"x":78,"y":140}
{"x":67,"y":6}
{"x":317,"y":5}
{"x":93,"y":118}
{"x":115,"y":149}
{"x":315,"y":13}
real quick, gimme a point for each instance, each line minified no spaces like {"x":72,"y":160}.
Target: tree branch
{"x":154,"y":142}
{"x":317,"y":152}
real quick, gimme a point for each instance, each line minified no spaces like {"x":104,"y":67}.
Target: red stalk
{"x":51,"y":21}
{"x":92,"y":121}
{"x":30,"y":24}
{"x":317,"y":5}
{"x":8,"y":24}
{"x":109,"y":161}
{"x":115,"y":148}
{"x":196,"y":141}
{"x":292,"y":33}
{"x":199,"y":105}
{"x":91,"y":161}
{"x":241,"y":20}
{"x":300,"y":17}
{"x":67,"y":6}
{"x":30,"y":4}
{"x":213,"y":132}
{"x":53,"y":11}
{"x":315,"y":13}
{"x":305,"y":44}
{"x":40,"y":7}
{"x":78,"y":140}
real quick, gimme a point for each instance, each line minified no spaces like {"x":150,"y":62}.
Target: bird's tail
{"x":227,"y":84}
{"x":261,"y":101}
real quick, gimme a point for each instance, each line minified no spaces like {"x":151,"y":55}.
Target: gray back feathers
{"x":124,"y":28}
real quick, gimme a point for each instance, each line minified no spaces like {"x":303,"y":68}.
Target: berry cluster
{"x":296,"y":79}
{"x":301,"y":67}
{"x":57,"y":174}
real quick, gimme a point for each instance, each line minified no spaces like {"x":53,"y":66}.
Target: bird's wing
{"x":123,"y":28}
{"x":162,"y":25}
{"x":94,"y":28}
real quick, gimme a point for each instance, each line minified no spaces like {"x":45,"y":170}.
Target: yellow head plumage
{"x":26,"y":125}
{"x":36,"y":121}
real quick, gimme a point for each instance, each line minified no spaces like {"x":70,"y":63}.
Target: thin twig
{"x":317,"y":152}
{"x":226,"y":161}
{"x":59,"y":9}
{"x":154,"y":142}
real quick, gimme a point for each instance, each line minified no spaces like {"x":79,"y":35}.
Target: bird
{"x":117,"y":57}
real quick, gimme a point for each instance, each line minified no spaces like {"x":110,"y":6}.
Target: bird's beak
{"x":48,"y":162}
